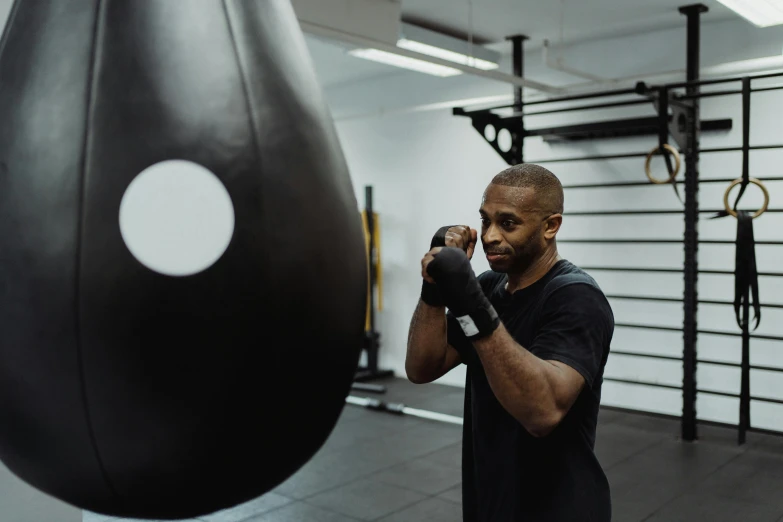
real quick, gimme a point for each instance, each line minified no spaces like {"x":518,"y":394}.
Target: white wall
{"x":430,"y":169}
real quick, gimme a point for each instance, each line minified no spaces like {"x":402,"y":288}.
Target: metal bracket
{"x":484,"y":120}
{"x":679,"y":111}
{"x":678,"y":124}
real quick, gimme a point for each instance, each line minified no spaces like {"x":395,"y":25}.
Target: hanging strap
{"x":746,"y":271}
{"x":663,"y":138}
{"x":673,"y":178}
{"x":662,"y":101}
{"x":745,"y":140}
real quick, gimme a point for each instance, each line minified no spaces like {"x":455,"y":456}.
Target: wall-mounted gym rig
{"x":678,"y":116}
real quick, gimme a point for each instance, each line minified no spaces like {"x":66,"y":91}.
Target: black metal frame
{"x":372,"y":337}
{"x":678,"y":117}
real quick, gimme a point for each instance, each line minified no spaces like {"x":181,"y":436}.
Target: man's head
{"x":521,"y":213}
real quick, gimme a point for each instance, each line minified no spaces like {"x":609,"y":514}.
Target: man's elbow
{"x":416,"y":378}
{"x":544,"y":424}
{"x":416,"y":375}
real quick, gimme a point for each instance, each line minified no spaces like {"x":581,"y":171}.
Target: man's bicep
{"x":566,"y":382}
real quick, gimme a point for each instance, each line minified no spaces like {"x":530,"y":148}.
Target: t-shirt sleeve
{"x":576,"y":329}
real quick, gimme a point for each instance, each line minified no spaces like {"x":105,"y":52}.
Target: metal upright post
{"x":372,"y":339}
{"x":518,"y":137}
{"x":691,"y":238}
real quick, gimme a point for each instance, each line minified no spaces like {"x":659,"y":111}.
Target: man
{"x":534,"y":333}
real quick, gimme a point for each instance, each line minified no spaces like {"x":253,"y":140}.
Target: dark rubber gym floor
{"x":377,"y":466}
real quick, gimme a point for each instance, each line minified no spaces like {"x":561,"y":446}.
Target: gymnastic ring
{"x":754,"y":181}
{"x":672,"y":175}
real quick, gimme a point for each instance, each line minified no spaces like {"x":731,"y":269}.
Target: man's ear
{"x":552,"y":225}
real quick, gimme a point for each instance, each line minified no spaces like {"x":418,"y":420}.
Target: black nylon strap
{"x":670,"y":169}
{"x":663,"y":136}
{"x":745,"y":140}
{"x":746,"y":273}
{"x":745,"y":268}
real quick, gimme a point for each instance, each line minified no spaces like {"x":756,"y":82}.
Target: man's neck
{"x":536,"y":271}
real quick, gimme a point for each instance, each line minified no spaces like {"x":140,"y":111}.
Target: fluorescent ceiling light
{"x":445,"y":54}
{"x":404,"y":62}
{"x":763,"y":13}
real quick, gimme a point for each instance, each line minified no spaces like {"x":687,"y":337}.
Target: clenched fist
{"x":426,"y":260}
{"x":462,"y":237}
{"x":458,"y":236}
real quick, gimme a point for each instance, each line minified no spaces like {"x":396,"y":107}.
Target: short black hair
{"x":548,"y":189}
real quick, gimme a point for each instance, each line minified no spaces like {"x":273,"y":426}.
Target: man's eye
{"x":508,"y":224}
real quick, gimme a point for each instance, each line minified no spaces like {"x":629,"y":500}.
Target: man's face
{"x":514,"y":228}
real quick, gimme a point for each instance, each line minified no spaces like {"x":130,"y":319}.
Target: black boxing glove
{"x":462,"y":294}
{"x":429,"y":291}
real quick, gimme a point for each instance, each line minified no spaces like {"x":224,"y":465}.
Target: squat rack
{"x":678,"y":116}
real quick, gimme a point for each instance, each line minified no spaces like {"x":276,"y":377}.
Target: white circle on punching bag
{"x":176,"y":218}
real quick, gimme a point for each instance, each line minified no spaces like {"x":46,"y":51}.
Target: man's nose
{"x":492,"y":235}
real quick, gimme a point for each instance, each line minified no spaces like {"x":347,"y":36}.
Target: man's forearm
{"x":427,"y":341}
{"x":522,"y":383}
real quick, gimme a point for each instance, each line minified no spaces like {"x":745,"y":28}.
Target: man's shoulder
{"x":572,"y":286}
{"x":568,"y":274}
{"x":575,"y":294}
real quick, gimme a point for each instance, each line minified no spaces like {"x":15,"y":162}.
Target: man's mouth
{"x":493,"y":256}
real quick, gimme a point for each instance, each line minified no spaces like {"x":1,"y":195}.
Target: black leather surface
{"x":132,"y":393}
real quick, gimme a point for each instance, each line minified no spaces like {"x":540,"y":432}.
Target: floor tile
{"x":352,"y":412}
{"x":746,"y":482}
{"x":429,"y":510}
{"x":669,"y":428}
{"x":330,"y":471}
{"x":402,"y":390}
{"x":713,"y":508}
{"x":655,"y":476}
{"x":606,"y":416}
{"x":763,"y":460}
{"x":630,"y":511}
{"x":420,"y":475}
{"x":453,"y":495}
{"x":448,"y":403}
{"x":301,"y":512}
{"x":423,"y":440}
{"x":766,"y":441}
{"x":615,"y":443}
{"x":113,"y":519}
{"x":89,"y":516}
{"x":449,"y":456}
{"x":373,"y":426}
{"x":366,"y":499}
{"x":257,"y":506}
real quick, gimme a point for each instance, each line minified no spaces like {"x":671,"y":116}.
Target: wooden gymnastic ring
{"x":754,"y":181}
{"x":672,"y":175}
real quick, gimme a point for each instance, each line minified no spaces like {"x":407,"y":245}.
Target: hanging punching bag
{"x":182,"y":262}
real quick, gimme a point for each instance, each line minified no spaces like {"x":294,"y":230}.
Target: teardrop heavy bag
{"x":135,"y":391}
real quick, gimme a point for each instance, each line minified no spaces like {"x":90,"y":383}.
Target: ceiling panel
{"x":493,"y":20}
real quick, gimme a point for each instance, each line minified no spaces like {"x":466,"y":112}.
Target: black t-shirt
{"x":507,"y":474}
